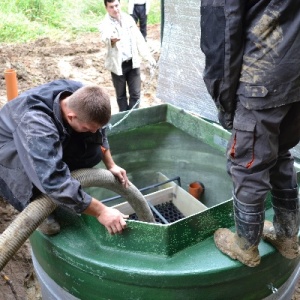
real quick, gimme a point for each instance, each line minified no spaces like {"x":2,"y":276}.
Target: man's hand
{"x":226,"y":119}
{"x":113,"y":220}
{"x":115,"y":169}
{"x":113,"y":41}
{"x":120,"y":173}
{"x":152,"y":62}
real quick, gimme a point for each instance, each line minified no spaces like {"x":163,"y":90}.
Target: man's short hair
{"x":91,"y":104}
{"x":109,"y":1}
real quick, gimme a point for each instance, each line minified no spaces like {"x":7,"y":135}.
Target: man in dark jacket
{"x":48,"y":131}
{"x":253,"y":74}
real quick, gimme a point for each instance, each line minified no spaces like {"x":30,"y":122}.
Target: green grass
{"x":25,"y":20}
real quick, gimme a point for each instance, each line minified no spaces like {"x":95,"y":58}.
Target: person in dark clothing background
{"x":47,"y":131}
{"x":139,"y":10}
{"x":252,"y":73}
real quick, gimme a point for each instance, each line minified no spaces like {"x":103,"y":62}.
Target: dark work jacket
{"x":37,"y":149}
{"x":252,"y":52}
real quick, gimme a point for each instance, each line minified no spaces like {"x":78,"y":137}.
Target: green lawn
{"x":25,"y":20}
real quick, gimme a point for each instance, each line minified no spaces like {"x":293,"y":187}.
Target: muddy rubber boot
{"x":230,"y":244}
{"x":288,"y":247}
{"x":243,"y":245}
{"x":283,"y":232}
{"x":49,"y":226}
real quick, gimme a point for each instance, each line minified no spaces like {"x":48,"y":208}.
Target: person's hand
{"x":226,"y":119}
{"x":152,"y":63}
{"x":114,"y":40}
{"x":120,"y":173}
{"x":112,"y":219}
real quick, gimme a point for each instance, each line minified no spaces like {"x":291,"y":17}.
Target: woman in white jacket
{"x":125,"y":44}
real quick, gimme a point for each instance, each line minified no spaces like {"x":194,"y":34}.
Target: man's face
{"x":114,"y":9}
{"x":81,"y":126}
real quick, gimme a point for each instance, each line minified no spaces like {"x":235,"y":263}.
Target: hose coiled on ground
{"x":37,"y":211}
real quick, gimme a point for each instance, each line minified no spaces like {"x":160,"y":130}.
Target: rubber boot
{"x":283,"y":232}
{"x":243,"y":245}
{"x":49,"y":226}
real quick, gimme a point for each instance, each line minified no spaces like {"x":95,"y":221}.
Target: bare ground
{"x":37,"y":63}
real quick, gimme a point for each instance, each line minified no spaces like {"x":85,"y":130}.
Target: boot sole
{"x":220,"y":236}
{"x":289,"y":249}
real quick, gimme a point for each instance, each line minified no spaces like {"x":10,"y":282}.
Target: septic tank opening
{"x":168,"y":204}
{"x":165,"y":213}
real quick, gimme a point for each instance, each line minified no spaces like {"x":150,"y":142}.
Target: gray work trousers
{"x":258,"y":153}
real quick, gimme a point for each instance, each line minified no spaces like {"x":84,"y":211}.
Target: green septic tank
{"x":172,"y":261}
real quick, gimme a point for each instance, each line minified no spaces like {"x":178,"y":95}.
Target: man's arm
{"x":111,"y":218}
{"x":39,"y":148}
{"x":130,"y":6}
{"x":117,"y":171}
{"x":109,"y":34}
{"x":142,"y":46}
{"x":222,"y":36}
{"x":148,"y":2}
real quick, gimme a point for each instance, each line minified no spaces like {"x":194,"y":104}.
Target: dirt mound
{"x":80,"y":59}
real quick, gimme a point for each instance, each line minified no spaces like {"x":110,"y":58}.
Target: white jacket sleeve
{"x":106,"y":30}
{"x":130,"y":6}
{"x":143,"y":48}
{"x":147,"y":7}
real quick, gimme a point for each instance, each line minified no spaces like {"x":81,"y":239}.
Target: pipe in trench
{"x":37,"y":211}
{"x":11,"y":82}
